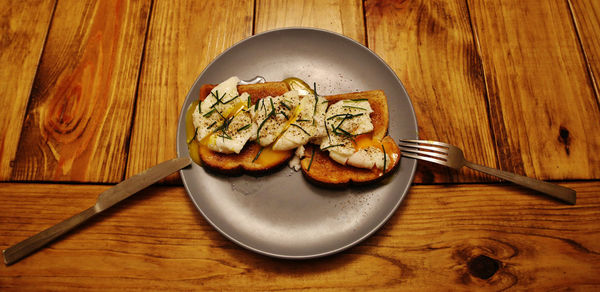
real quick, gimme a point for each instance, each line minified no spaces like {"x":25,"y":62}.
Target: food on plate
{"x":335,"y":140}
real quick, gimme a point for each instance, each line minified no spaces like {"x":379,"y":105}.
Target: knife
{"x":105,"y":200}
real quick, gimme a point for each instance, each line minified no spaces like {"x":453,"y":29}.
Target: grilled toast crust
{"x":326,"y":172}
{"x":245,"y":161}
{"x":323,"y":170}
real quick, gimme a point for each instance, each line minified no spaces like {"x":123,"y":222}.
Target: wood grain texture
{"x":586,"y":14}
{"x":341,"y":16}
{"x":23,"y":28}
{"x":183,"y":39}
{"x":459,"y":237}
{"x":542,"y":106}
{"x":430,"y":46}
{"x":79,"y":116}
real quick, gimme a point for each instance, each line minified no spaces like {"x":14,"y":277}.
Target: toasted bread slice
{"x":324,"y":171}
{"x":246,"y":161}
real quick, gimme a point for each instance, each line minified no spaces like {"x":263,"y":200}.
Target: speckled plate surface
{"x":282,"y":214}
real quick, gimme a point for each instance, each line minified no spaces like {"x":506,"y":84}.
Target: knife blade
{"x":105,"y":200}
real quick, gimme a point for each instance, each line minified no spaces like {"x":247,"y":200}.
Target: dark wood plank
{"x":430,"y":46}
{"x":586,"y":14}
{"x":183,"y":38}
{"x":23,"y":29}
{"x":342,"y":16}
{"x":79,"y":117}
{"x":542,"y":106}
{"x":459,"y":237}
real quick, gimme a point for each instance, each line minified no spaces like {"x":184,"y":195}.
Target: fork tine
{"x":426,"y":142}
{"x":428,"y":153}
{"x":413,"y":145}
{"x":430,"y":159}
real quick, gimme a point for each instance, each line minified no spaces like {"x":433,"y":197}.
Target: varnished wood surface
{"x":90,"y":94}
{"x":79,"y":115}
{"x":443,"y":237}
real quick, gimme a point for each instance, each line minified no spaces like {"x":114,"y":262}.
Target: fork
{"x":452,"y":156}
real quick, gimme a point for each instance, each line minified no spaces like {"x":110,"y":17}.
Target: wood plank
{"x":341,"y":16}
{"x":586,"y":14}
{"x":77,"y":123}
{"x":430,"y":46}
{"x":458,"y":237}
{"x":23,"y":29}
{"x":177,"y":50}
{"x":542,"y":104}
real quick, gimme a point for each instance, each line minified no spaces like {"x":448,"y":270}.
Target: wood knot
{"x":564,"y":138}
{"x":483,"y":267}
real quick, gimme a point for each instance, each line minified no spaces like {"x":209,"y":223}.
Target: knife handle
{"x":31,"y":244}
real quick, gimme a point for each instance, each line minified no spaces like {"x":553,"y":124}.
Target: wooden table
{"x":90,"y":93}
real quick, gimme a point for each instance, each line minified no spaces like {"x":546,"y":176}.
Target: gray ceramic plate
{"x":282,"y":214}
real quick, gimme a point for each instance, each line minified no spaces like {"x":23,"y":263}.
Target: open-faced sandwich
{"x":335,"y":140}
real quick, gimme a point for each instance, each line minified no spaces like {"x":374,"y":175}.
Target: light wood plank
{"x":542,"y":106}
{"x":586,"y":14}
{"x":23,"y":29}
{"x":341,"y":16}
{"x":430,"y":46}
{"x":184,"y":37}
{"x":79,"y":117}
{"x":442,"y":237}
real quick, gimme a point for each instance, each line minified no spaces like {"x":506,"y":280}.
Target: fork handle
{"x":554,"y":190}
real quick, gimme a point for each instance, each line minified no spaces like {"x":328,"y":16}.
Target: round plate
{"x":282,"y":214}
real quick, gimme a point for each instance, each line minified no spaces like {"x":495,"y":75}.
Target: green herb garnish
{"x":316,"y":99}
{"x":192,"y":139}
{"x":302,"y":120}
{"x":327,"y":130}
{"x":217,"y":97}
{"x":286,"y":117}
{"x":258,"y":154}
{"x":209,"y":113}
{"x":354,"y":107}
{"x":286,"y":106}
{"x":355,"y":100}
{"x":301,"y":129}
{"x":210,"y":126}
{"x":226,"y":102}
{"x":256,"y":105}
{"x":249,"y":102}
{"x":312,"y":156}
{"x":244,"y":127}
{"x":384,"y":158}
{"x":260,"y":127}
{"x":331,"y":146}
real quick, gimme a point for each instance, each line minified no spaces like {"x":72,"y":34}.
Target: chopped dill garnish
{"x":301,"y":129}
{"x":244,"y":127}
{"x":312,"y":156}
{"x":258,"y":154}
{"x":209,"y":113}
{"x":331,"y":146}
{"x":384,"y":158}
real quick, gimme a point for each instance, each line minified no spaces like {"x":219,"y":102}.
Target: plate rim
{"x":280,"y":255}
